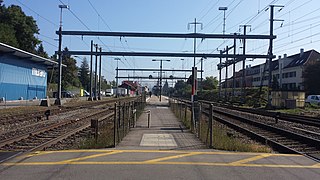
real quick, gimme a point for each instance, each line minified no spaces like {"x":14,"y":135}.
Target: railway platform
{"x":164,"y":150}
{"x":165,"y":131}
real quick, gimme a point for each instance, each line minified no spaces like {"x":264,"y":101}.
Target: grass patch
{"x":105,"y":139}
{"x":223,"y":141}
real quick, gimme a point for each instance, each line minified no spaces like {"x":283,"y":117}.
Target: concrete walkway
{"x":165,"y":132}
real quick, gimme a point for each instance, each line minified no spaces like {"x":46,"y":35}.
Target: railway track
{"x":280,"y":139}
{"x":307,"y":120}
{"x":42,"y":134}
{"x":266,"y":130}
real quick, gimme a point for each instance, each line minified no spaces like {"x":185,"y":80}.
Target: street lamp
{"x":117,"y":59}
{"x":224,"y":17}
{"x":161,"y":73}
{"x":58,"y":100}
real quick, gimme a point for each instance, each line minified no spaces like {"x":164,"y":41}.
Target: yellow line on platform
{"x":243,"y":161}
{"x":317,"y":165}
{"x":161,"y":151}
{"x":161,"y":163}
{"x":172,"y":157}
{"x":89,"y":157}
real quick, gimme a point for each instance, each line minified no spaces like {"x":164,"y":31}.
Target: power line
{"x":49,"y":21}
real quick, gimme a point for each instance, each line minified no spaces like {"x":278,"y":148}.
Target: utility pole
{"x":117,"y":75}
{"x":95,"y":75}
{"x":194,"y":97}
{"x":58,"y":100}
{"x":269,"y":105}
{"x":226,"y":80}
{"x":160,"y":73}
{"x":91,"y":69}
{"x":224,"y":17}
{"x":100,"y":79}
{"x":220,"y":68}
{"x":234,"y":66}
{"x":195,"y":23}
{"x":244,"y":64}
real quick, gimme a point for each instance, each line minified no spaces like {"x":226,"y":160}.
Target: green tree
{"x":181,"y":88}
{"x":69,"y":73}
{"x":84,"y":74}
{"x":17,"y":29}
{"x":40,"y":51}
{"x":104,"y":84}
{"x":311,"y":75}
{"x":210,"y":83}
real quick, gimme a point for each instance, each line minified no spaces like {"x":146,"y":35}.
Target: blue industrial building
{"x":23,"y":75}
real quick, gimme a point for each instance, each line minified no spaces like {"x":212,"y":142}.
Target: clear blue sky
{"x":300,"y":28}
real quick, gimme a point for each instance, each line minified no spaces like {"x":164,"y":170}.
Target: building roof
{"x":298,"y":60}
{"x":4,"y":48}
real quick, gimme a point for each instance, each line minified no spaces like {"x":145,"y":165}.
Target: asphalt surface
{"x":166,"y":150}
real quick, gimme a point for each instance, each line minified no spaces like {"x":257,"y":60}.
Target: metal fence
{"x":201,"y":124}
{"x":125,"y":117}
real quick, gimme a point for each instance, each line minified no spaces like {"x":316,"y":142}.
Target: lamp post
{"x":161,"y":73}
{"x":58,"y":100}
{"x":117,"y":59}
{"x":224,"y":17}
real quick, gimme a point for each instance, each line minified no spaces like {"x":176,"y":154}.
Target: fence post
{"x":199,"y":120}
{"x":123,"y":120}
{"x":149,"y":118}
{"x":210,"y":125}
{"x":115,"y":125}
{"x":119,"y":121}
{"x":180,"y":109}
{"x":95,"y":125}
{"x":185,"y":112}
{"x":129,"y":114}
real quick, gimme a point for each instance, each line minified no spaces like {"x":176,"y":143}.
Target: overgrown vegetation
{"x":223,"y":138}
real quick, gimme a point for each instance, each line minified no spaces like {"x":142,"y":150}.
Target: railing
{"x":125,"y":116}
{"x":201,"y":124}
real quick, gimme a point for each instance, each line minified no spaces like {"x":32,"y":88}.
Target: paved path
{"x":165,"y":131}
{"x":163,"y":151}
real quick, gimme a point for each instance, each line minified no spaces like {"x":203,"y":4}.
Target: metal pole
{"x":210,"y":125}
{"x":115,"y":124}
{"x":201,"y":74}
{"x":95,"y":75}
{"x":91,"y":69}
{"x":224,"y":21}
{"x":160,"y":79}
{"x":270,"y":59}
{"x":194,"y":42}
{"x":117,"y":75}
{"x":117,"y":79}
{"x":226,"y":80}
{"x":100,"y":79}
{"x":58,"y":101}
{"x":244,"y":65}
{"x":220,"y":68}
{"x":234,"y":67}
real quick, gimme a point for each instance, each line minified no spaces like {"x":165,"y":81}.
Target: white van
{"x":313,"y":99}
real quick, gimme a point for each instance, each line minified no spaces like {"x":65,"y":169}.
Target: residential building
{"x":288,"y":71}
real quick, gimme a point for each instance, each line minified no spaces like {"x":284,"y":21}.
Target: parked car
{"x":109,"y":92}
{"x":313,"y":99}
{"x":64,"y":94}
